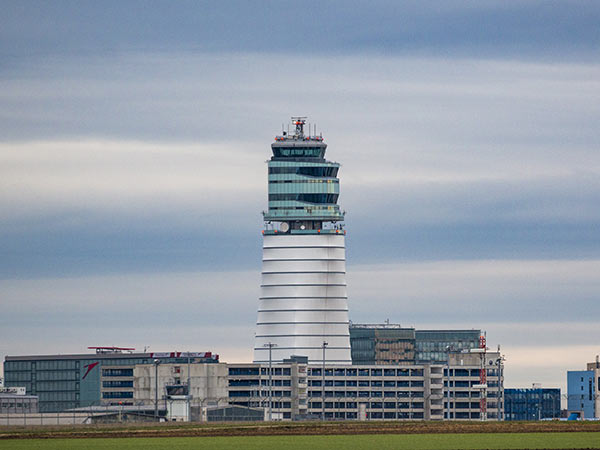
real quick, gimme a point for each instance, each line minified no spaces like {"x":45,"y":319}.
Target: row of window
{"x":369,"y":405}
{"x":322,"y":171}
{"x":262,"y":403}
{"x":257,"y":394}
{"x":121,"y":394}
{"x":316,"y":180}
{"x":308,"y":198}
{"x":465,"y":383}
{"x":261,"y":382}
{"x":309,"y":209}
{"x":70,"y":375}
{"x":367,"y":394}
{"x":117,"y":372}
{"x":464,"y":405}
{"x":117,"y":383}
{"x":298,"y":152}
{"x":366,"y":372}
{"x":366,"y":383}
{"x":276,"y":371}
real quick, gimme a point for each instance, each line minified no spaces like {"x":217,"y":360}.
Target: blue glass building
{"x":531,"y":404}
{"x":581,"y":388}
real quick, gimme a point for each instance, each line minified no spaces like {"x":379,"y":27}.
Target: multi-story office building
{"x":392,"y":344}
{"x":432,"y":346}
{"x":583,"y":391}
{"x":70,"y":381}
{"x":303,"y":307}
{"x":375,"y":391}
{"x":531,"y":404}
{"x":382,"y":344}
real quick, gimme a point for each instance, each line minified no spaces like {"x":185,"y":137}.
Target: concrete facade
{"x":383,"y":392}
{"x":208,"y":382}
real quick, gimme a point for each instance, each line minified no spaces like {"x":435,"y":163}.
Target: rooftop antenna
{"x":299,"y":121}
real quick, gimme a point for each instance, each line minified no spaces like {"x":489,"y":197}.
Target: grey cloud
{"x":523,"y":29}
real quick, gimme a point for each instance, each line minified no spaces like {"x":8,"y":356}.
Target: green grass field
{"x":582,"y":440}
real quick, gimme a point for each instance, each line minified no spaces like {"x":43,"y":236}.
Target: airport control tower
{"x":303,"y":307}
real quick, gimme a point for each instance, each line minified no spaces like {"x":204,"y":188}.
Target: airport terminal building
{"x":295,"y":389}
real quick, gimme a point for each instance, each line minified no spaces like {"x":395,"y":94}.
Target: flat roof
{"x":155,"y":355}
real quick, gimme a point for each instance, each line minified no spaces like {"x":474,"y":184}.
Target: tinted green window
{"x":302,"y":152}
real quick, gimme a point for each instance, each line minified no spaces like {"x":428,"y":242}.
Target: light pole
{"x":448,"y":349}
{"x":156,"y":364}
{"x":325,"y":344}
{"x":270,"y":345}
{"x":189,"y":390}
{"x":499,"y":361}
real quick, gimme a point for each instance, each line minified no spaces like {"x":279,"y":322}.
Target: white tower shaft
{"x":303,"y":298}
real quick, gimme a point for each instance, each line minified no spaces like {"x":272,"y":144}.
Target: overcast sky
{"x":133,"y":140}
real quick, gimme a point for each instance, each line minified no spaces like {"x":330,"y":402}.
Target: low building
{"x":531,"y":403}
{"x":64,"y":382}
{"x":583,"y":391}
{"x":14,"y":400}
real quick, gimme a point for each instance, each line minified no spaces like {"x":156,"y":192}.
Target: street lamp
{"x":156,"y":364}
{"x":499,"y":361}
{"x":448,"y":350}
{"x":325,"y":344}
{"x":270,"y":345}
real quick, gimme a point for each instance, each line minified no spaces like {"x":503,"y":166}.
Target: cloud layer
{"x":132,"y":171}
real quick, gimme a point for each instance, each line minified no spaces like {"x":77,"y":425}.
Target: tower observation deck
{"x":303,"y":301}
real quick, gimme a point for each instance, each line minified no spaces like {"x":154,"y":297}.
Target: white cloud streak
{"x":169,"y":143}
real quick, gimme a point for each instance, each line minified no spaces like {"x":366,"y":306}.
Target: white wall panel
{"x":302,"y":316}
{"x":306,"y":240}
{"x":304,"y":266}
{"x":295,"y":306}
{"x":303,"y":303}
{"x":302,"y":291}
{"x":304,"y":253}
{"x":286,"y":329}
{"x":303,"y":278}
{"x":307,"y":341}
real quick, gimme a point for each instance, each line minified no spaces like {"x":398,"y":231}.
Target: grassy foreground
{"x":471,"y":441}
